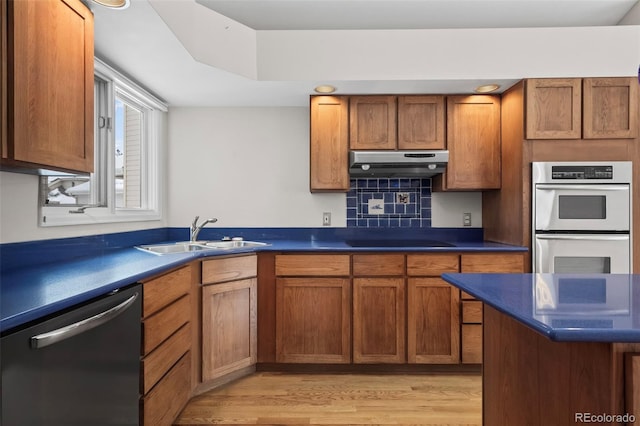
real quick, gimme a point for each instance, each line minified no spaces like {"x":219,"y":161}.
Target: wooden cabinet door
{"x":433,"y":322}
{"x":329,"y":140}
{"x":51,"y":85}
{"x":313,"y":320}
{"x":372,"y":122}
{"x":229,"y":327}
{"x":378,"y":320}
{"x":553,"y":108}
{"x":610,"y":108}
{"x":473,"y":140}
{"x":421,"y":122}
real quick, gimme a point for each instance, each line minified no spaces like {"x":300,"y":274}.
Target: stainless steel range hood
{"x":397,"y":163}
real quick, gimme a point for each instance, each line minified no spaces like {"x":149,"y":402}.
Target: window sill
{"x":95,"y":216}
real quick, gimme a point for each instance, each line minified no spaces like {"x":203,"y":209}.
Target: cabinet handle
{"x":591,"y":237}
{"x":568,"y":187}
{"x":55,"y":336}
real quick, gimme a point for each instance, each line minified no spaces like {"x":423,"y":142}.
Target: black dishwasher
{"x":78,"y":368}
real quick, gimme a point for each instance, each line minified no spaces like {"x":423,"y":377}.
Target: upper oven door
{"x":566,"y":207}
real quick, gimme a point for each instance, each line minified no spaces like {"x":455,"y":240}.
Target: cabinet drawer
{"x":157,"y":328}
{"x":378,"y":264}
{"x":313,"y":265}
{"x":471,"y":343}
{"x":158,"y":362}
{"x":432,"y":264}
{"x":163,"y":404}
{"x":492,"y":263}
{"x":164,"y":290}
{"x":471,"y":312}
{"x":229,"y":269}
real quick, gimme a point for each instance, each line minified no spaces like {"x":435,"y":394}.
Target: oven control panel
{"x":582,"y":172}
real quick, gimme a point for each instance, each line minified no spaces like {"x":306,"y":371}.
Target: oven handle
{"x":582,"y":187}
{"x":55,"y":336}
{"x":622,"y":237}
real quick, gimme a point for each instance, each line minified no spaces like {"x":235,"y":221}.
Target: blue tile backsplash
{"x":389,"y":203}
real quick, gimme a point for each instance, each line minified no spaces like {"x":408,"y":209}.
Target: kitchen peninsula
{"x":555,"y":345}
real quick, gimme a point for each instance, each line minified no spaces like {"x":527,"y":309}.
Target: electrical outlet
{"x":326,"y":219}
{"x":466,"y":219}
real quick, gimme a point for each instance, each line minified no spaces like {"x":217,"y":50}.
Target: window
{"x":125,"y":184}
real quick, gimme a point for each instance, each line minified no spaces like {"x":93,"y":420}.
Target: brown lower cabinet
{"x":434,"y":322}
{"x":379,"y":320}
{"x":472,"y":330}
{"x":313,"y":320}
{"x":166,"y":348}
{"x":229,"y":315}
{"x":386,"y":308}
{"x":433,"y":310}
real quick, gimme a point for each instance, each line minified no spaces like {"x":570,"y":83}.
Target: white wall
{"x":19,"y":214}
{"x":249,"y":167}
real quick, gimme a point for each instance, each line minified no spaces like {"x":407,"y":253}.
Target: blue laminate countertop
{"x":563,"y":307}
{"x":33,"y":290}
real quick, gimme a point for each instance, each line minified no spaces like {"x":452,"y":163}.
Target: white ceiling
{"x":138,"y":42}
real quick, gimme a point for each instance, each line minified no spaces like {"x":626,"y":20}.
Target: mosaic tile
{"x":410,"y":209}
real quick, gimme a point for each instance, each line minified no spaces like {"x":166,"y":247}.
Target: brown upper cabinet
{"x":397,"y":122}
{"x":473,"y":141}
{"x":421,"y":122}
{"x":553,"y":108}
{"x":573,"y":108}
{"x":610,"y":108}
{"x":329,"y":143}
{"x":372,"y":122}
{"x":49,"y":61}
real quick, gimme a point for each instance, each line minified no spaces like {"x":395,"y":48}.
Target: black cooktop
{"x":397,"y":243}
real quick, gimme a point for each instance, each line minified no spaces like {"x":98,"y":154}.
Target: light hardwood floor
{"x":340,"y":399}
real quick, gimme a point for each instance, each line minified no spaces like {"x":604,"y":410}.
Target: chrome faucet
{"x":195,"y":228}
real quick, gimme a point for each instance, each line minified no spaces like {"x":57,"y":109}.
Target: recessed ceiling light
{"x":487,"y":88}
{"x":113,"y":4}
{"x":325,"y":88}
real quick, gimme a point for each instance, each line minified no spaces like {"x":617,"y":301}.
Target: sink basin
{"x":233,"y":244}
{"x":182,"y":247}
{"x":188,"y":247}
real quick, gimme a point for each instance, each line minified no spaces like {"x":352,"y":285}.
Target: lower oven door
{"x":559,"y":207}
{"x":582,"y":253}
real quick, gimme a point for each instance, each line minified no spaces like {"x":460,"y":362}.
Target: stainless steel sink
{"x":181,"y":247}
{"x":188,"y":247}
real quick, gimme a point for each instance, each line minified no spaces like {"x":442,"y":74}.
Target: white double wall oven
{"x":582,"y":217}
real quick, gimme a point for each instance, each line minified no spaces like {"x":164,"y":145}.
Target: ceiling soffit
{"x":431,"y":54}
